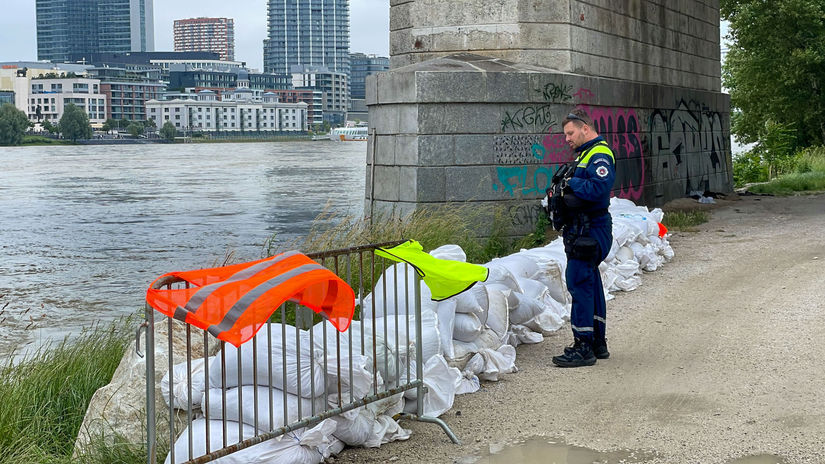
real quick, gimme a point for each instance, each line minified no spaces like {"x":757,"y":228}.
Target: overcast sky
{"x":369,"y":26}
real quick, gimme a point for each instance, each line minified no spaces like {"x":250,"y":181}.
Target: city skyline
{"x":369,"y":27}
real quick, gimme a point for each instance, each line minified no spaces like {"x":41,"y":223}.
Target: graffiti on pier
{"x":557,"y":93}
{"x":518,"y":149}
{"x":688,"y":147}
{"x":525,"y":180}
{"x":537,"y":118}
{"x":584,"y":95}
{"x":525,"y":214}
{"x":620,"y":128}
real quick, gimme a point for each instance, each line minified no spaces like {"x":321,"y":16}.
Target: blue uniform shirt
{"x":593,"y":178}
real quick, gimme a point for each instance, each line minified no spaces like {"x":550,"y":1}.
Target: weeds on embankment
{"x":44,"y":397}
{"x":807,"y":175}
{"x":685,"y":220}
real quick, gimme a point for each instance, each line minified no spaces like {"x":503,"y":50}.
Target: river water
{"x":84,"y":230}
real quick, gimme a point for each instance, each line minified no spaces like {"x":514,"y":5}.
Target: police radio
{"x":555,"y":209}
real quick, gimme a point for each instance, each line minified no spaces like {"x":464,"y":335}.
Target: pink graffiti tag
{"x":584,"y":95}
{"x":620,"y":128}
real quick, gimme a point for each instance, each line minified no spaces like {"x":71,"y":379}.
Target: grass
{"x":808,"y":175}
{"x":32,"y":140}
{"x":45,"y":396}
{"x":684,"y":220}
{"x":789,"y":184}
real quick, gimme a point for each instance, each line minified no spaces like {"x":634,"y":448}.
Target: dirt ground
{"x":720,"y":354}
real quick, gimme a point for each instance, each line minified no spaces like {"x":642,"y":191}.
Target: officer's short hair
{"x":578,"y":117}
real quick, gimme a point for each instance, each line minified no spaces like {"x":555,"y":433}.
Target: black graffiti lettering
{"x":537,"y":118}
{"x":556,"y":92}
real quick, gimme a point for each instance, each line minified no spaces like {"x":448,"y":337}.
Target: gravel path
{"x":719,"y":354}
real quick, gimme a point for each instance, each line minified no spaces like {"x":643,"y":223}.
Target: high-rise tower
{"x":93,"y":26}
{"x":206,"y":35}
{"x":307,"y":33}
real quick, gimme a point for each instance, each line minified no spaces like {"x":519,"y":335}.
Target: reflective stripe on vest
{"x":599,"y":148}
{"x":444,"y":277}
{"x":234,"y":302}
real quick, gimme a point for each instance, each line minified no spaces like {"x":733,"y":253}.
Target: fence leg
{"x":151,"y":439}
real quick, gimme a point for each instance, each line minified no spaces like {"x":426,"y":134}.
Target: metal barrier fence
{"x":360,"y":267}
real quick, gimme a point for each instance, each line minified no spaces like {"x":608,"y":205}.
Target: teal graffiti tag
{"x":513,"y":178}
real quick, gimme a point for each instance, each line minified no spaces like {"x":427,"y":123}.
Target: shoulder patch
{"x":601,"y":160}
{"x":602,"y":171}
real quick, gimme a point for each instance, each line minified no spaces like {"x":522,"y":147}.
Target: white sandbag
{"x":441,"y":381}
{"x":467,"y":327}
{"x":399,"y":301}
{"x":361,"y":426}
{"x":498,"y":314}
{"x":384,"y":430}
{"x":298,"y":447}
{"x":518,"y":265}
{"x":383,"y":354}
{"x":497,"y":362}
{"x":446,"y":324}
{"x":625,"y":254}
{"x":470,"y":383}
{"x":451,"y":252}
{"x":472,"y":301}
{"x":520,"y":334}
{"x":502,"y":276}
{"x":509,"y":295}
{"x":545,"y":323}
{"x":532,"y":288}
{"x":338,"y":357}
{"x":464,"y":350}
{"x":525,"y":309}
{"x":311,"y":374}
{"x":246,"y":394}
{"x":180,"y":384}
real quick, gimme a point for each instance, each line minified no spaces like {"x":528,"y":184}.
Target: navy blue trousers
{"x":589,"y":312}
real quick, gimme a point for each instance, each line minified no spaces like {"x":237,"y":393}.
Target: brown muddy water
{"x":84,"y":230}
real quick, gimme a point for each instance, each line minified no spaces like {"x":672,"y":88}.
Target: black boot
{"x":578,"y":355}
{"x":600,"y":349}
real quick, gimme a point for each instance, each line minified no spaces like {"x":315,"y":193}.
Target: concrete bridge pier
{"x":471,"y":110}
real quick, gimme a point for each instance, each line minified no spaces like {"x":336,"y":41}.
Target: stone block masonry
{"x":665,"y":42}
{"x":469,"y":128}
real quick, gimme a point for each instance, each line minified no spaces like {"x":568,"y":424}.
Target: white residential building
{"x":47,"y":99}
{"x":235,"y":113}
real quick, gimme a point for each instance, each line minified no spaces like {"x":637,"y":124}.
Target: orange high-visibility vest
{"x":233,"y":302}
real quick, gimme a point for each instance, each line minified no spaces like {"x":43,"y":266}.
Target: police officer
{"x":588,"y":236}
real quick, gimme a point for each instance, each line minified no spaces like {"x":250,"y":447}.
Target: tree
{"x":775,"y":69}
{"x":149,"y":123}
{"x":13,"y":124}
{"x":168,"y":131}
{"x":49,"y":127}
{"x":135,"y":129}
{"x":74,"y":124}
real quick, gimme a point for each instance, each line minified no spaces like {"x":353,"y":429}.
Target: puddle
{"x":760,"y":459}
{"x":553,"y":451}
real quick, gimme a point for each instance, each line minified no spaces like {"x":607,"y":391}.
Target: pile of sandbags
{"x":464,"y":339}
{"x":282,"y":376}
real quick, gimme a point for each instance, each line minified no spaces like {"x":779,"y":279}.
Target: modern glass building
{"x":93,"y":26}
{"x":361,"y":66}
{"x":307,"y":33}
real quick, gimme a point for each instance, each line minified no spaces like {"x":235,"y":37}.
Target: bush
{"x":168,"y":131}
{"x":13,"y":124}
{"x":748,"y":168}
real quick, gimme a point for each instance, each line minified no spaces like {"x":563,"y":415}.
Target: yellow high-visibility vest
{"x":599,"y":148}
{"x":444,"y":277}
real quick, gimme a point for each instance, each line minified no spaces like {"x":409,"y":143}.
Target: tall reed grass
{"x":44,"y":397}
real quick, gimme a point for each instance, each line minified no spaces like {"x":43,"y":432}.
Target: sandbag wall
{"x":466,"y":339}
